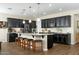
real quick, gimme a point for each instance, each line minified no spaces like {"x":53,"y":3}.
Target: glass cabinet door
{"x":51,"y":23}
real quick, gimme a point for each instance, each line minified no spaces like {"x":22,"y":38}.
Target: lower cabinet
{"x":58,"y":38}
{"x":49,"y":41}
{"x":62,"y":38}
{"x":12,"y":37}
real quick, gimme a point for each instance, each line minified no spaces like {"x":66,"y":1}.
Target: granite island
{"x":46,"y":38}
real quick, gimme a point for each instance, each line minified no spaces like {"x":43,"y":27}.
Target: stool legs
{"x":25,"y":43}
{"x":30,"y":44}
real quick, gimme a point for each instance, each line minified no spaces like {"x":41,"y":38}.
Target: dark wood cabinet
{"x":12,"y":22}
{"x":51,"y":23}
{"x":18,"y":23}
{"x":44,"y":23}
{"x":26,"y":26}
{"x":64,"y":21}
{"x":49,"y":41}
{"x":29,"y":26}
{"x":33,"y":24}
{"x":15,"y":23}
{"x":62,"y":38}
{"x":12,"y":37}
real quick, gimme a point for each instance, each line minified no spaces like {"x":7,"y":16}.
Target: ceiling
{"x":22,"y":9}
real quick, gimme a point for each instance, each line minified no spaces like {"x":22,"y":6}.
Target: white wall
{"x":3,"y":35}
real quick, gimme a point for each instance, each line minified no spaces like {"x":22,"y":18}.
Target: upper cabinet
{"x":30,"y":26}
{"x":33,"y":24}
{"x":18,"y":23}
{"x":64,"y":21}
{"x":51,"y":23}
{"x":21,"y":25}
{"x":44,"y":23}
{"x":15,"y":23}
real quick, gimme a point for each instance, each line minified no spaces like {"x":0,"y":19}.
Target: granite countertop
{"x":37,"y":33}
{"x":40,"y":33}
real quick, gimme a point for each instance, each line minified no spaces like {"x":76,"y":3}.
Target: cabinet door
{"x":44,"y":23}
{"x":33,"y":24}
{"x":49,"y":41}
{"x":20,"y":25}
{"x":51,"y":23}
{"x":64,"y":21}
{"x":27,"y":26}
{"x":68,"y":21}
{"x":60,"y":21}
{"x":14,"y":23}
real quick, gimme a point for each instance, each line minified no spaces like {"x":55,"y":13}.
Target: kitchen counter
{"x":45,"y":37}
{"x":36,"y":36}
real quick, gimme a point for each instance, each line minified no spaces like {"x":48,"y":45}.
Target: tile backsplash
{"x":17,"y":30}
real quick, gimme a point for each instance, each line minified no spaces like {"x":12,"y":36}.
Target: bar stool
{"x":30,"y":43}
{"x":37,"y":45}
{"x":25,"y":43}
{"x":16,"y":40}
{"x":21,"y":42}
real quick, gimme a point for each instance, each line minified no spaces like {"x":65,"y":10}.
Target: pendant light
{"x":23,"y":21}
{"x":38,"y":19}
{"x":30,"y":11}
{"x":30,"y":21}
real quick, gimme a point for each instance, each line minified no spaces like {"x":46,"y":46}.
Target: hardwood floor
{"x":58,"y":49}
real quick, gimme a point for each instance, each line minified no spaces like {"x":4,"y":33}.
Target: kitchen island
{"x":46,"y":38}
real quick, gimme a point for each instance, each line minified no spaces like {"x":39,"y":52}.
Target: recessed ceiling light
{"x":60,"y":9}
{"x":24,"y":13}
{"x":44,"y":13}
{"x":9,"y":8}
{"x":30,"y":21}
{"x":33,"y":10}
{"x":50,"y":5}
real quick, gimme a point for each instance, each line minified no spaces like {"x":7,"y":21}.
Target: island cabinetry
{"x":49,"y":41}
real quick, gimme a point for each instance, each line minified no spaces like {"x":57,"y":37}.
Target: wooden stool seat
{"x":30,"y":43}
{"x":18,"y":40}
{"x":25,"y":42}
{"x":21,"y":42}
